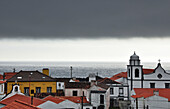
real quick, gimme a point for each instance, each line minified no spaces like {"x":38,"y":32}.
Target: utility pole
{"x":82,"y":102}
{"x":136,"y":103}
{"x":71,"y":68}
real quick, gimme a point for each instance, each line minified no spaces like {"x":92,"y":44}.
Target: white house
{"x":118,"y":91}
{"x":99,"y":96}
{"x":2,"y":89}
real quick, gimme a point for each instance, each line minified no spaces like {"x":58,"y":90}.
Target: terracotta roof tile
{"x":54,"y":99}
{"x":119,"y":75}
{"x":1,"y":76}
{"x":147,"y":92}
{"x":9,"y":75}
{"x":27,"y":99}
{"x":148,"y":71}
{"x":19,"y":105}
{"x":75,"y":99}
{"x":124,"y":74}
{"x":2,"y":82}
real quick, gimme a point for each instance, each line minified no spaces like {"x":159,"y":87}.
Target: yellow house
{"x":32,"y":82}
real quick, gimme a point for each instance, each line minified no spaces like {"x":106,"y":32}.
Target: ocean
{"x":80,"y":69}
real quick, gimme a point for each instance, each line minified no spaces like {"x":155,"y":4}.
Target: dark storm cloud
{"x":84,"y":18}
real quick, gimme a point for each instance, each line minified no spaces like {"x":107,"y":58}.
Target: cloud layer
{"x":67,"y":19}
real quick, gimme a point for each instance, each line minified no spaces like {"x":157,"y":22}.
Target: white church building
{"x":139,"y":78}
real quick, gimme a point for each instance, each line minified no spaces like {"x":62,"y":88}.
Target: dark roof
{"x":107,"y":81}
{"x":23,"y":76}
{"x":84,"y":85}
{"x":62,"y":79}
{"x":104,"y":86}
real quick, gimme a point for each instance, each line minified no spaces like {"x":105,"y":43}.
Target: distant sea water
{"x":80,"y":69}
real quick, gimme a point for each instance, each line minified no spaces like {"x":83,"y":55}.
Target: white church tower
{"x":135,"y":72}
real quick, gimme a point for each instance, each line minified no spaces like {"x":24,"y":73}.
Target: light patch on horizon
{"x":109,"y":50}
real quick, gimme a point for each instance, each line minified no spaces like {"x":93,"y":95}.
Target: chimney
{"x":156,"y":92}
{"x":92,"y":77}
{"x":4,"y":77}
{"x":45,"y":71}
{"x":93,"y":82}
{"x":31,"y":100}
{"x":74,"y":78}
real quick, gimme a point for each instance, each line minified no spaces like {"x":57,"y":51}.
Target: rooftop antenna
{"x":14,"y":70}
{"x":71,"y":69}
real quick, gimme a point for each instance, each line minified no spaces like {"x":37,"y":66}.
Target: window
{"x":137,"y":73}
{"x":152,"y":85}
{"x":32,"y":91}
{"x":49,"y":89}
{"x":26,"y":90}
{"x":16,"y":89}
{"x":101,"y":99}
{"x":129,"y":72}
{"x":74,"y":93}
{"x":38,"y":89}
{"x":111,"y":90}
{"x":167,"y":85}
{"x":120,"y":90}
{"x":87,"y":108}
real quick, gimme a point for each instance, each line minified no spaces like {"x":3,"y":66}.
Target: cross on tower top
{"x":159,"y":60}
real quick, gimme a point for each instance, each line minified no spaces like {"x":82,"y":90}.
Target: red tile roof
{"x":148,"y":71}
{"x":9,"y":75}
{"x":147,"y":92}
{"x":2,"y":82}
{"x":1,"y":76}
{"x":54,"y":99}
{"x":76,"y":80}
{"x":119,"y":75}
{"x":124,"y":74}
{"x":75,"y":99}
{"x":19,"y":105}
{"x":58,"y":99}
{"x":27,"y":99}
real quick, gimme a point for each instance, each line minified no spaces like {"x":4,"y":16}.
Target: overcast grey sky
{"x":84,"y":30}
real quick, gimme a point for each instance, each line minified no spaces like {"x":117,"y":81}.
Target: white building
{"x":118,"y":91}
{"x":2,"y":89}
{"x":139,"y":77}
{"x":146,"y":78}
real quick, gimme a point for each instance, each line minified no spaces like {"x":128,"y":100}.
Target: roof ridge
{"x":22,"y":102}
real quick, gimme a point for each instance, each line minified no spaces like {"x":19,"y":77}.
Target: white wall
{"x":153,"y":102}
{"x":69,"y":92}
{"x":116,"y":91}
{"x":60,"y":86}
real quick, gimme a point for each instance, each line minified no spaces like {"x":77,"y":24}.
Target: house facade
{"x":32,"y":82}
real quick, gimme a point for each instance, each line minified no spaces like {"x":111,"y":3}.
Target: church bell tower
{"x":135,"y":72}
